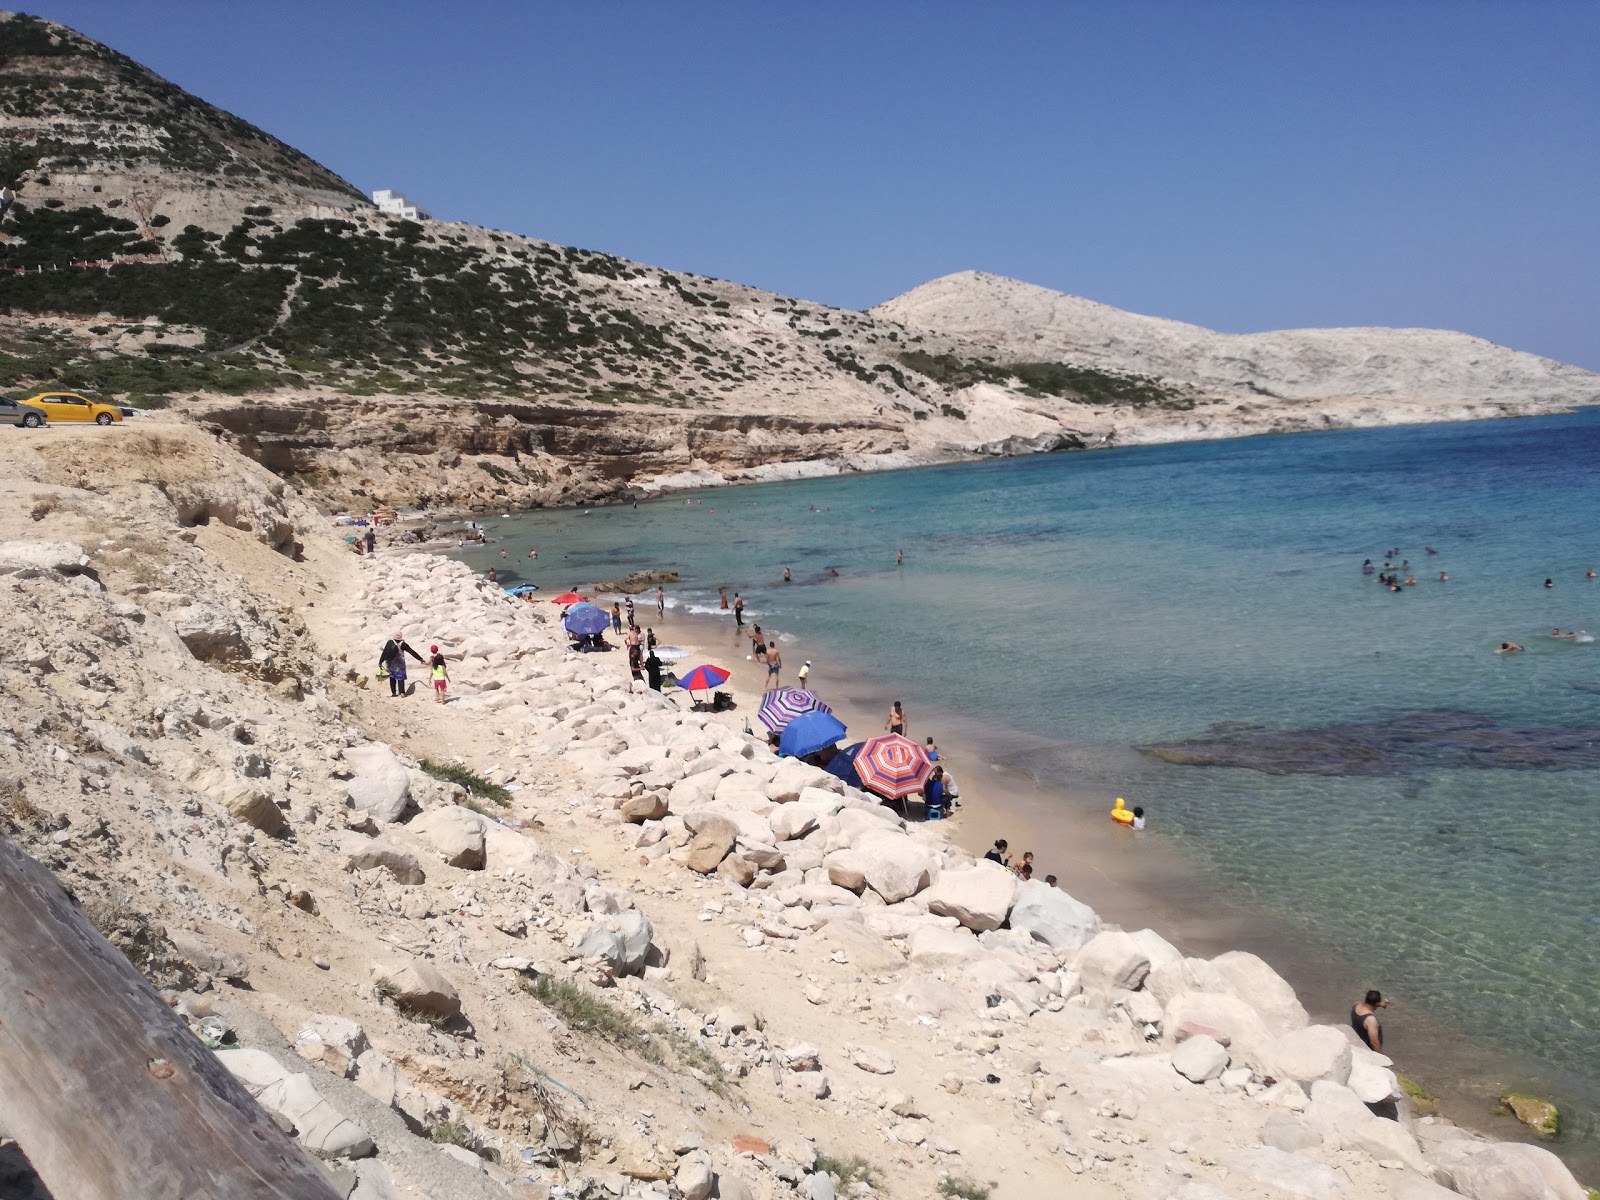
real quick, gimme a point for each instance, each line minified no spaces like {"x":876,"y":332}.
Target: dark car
{"x":17,"y":412}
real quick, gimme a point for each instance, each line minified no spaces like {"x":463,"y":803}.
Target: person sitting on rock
{"x":1364,"y":1020}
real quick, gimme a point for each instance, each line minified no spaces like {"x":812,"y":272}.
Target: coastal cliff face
{"x":164,"y":253}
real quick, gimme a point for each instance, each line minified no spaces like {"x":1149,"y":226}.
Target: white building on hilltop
{"x":397,"y":205}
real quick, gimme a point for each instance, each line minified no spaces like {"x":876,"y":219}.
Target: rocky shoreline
{"x":559,"y":937}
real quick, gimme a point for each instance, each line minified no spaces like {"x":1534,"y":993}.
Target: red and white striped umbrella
{"x":893,"y":766}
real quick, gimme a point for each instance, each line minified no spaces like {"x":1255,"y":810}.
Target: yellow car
{"x":69,"y":406}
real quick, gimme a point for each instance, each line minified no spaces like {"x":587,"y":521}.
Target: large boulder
{"x":637,"y":933}
{"x":1156,"y":948}
{"x":402,"y":865}
{"x":511,"y":854}
{"x":896,"y":867}
{"x":649,"y":807}
{"x":418,"y":986}
{"x":321,"y":1128}
{"x":1309,"y":1054}
{"x":1228,"y":1015}
{"x":793,"y":777}
{"x":979,"y":897}
{"x":1259,"y":986}
{"x":456,"y":833}
{"x":1200,"y":1059}
{"x":252,"y":807}
{"x":379,"y":784}
{"x":1371,"y":1083}
{"x":1290,"y":1174}
{"x":1112,"y":960}
{"x":1550,"y":1169}
{"x":28,"y":560}
{"x":794,"y":821}
{"x":936,"y":946}
{"x":1345,"y":1122}
{"x":847,"y":869}
{"x":711,"y":844}
{"x":1482,"y":1171}
{"x":600,"y":942}
{"x":1049,"y":915}
{"x":1168,"y":980}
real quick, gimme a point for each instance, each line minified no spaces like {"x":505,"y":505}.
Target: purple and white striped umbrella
{"x":782,"y":705}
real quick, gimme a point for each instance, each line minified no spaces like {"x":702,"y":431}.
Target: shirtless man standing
{"x":774,"y":665}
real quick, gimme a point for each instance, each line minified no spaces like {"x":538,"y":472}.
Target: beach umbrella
{"x":893,"y":766}
{"x":843,"y":765}
{"x":670,"y":653}
{"x":585,"y":619}
{"x":782,"y":705}
{"x":569,"y":598}
{"x":810,"y":732}
{"x":522,"y":589}
{"x":702,"y":678}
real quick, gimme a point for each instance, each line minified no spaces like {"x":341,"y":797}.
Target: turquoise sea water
{"x":1104,"y":601}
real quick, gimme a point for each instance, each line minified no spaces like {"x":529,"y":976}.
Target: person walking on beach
{"x":652,"y":668}
{"x":805,"y":673}
{"x":738,"y":610}
{"x":661,"y":601}
{"x":774,"y":666}
{"x":758,"y":643}
{"x":897,"y":719}
{"x":392,"y":660}
{"x":1364,"y":1020}
{"x":441,"y":674}
{"x":616,"y":618}
{"x":632,"y":624}
{"x":371,"y":539}
{"x":635,"y":658}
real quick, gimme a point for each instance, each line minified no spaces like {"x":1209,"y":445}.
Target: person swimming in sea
{"x":1566,"y":637}
{"x":1367,"y":567}
{"x":1444,"y":577}
{"x":1508,"y":648}
{"x":1549,"y":583}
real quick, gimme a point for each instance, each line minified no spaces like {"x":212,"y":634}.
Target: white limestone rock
{"x":380,"y":785}
{"x":1200,"y":1059}
{"x":1309,"y":1054}
{"x":979,"y":897}
{"x":1049,"y":915}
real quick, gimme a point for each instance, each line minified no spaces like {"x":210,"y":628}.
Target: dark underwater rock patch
{"x":1407,"y":742}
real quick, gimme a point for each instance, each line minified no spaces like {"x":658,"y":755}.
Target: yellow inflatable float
{"x":1120,"y":814}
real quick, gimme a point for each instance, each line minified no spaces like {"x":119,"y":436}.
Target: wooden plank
{"x":103,"y":1085}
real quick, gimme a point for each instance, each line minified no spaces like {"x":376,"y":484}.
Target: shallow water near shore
{"x":1100,"y":603}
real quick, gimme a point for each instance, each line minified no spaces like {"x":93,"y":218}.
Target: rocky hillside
{"x":564,"y":939}
{"x":1403,"y":365}
{"x":168,"y":254}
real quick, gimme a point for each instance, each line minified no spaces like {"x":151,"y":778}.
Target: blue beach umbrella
{"x":585,"y":619}
{"x":522,"y":589}
{"x":843,"y":764}
{"x":810,"y":732}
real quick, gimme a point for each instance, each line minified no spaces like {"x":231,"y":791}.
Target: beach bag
{"x":721,"y":701}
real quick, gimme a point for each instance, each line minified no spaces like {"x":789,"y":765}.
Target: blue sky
{"x":1239,"y":165}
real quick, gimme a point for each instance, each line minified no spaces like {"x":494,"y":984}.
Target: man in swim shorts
{"x":774,"y":665}
{"x":1508,"y":648}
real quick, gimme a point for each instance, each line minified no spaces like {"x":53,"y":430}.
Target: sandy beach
{"x":1135,"y":880}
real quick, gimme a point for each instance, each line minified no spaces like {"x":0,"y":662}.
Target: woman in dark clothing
{"x":392,"y":658}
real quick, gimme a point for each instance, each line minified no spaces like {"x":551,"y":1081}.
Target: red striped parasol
{"x":893,"y":766}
